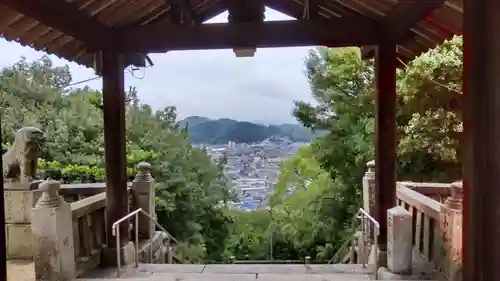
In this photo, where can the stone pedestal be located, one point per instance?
(19, 198)
(53, 245)
(399, 240)
(143, 196)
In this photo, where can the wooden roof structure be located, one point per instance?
(75, 29)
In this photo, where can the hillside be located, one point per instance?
(205, 130)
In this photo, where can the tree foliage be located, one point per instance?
(190, 184)
(428, 112)
(319, 188)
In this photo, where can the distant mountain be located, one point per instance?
(193, 121)
(209, 131)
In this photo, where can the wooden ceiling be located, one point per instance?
(75, 29)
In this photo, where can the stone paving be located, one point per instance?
(238, 272)
(23, 271)
(18, 270)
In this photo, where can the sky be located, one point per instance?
(209, 83)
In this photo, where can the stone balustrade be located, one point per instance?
(89, 231)
(436, 223)
(82, 227)
(20, 199)
(437, 191)
(426, 217)
(78, 191)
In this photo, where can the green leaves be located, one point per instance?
(190, 187)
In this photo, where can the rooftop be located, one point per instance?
(74, 29)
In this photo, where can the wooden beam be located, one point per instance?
(289, 8)
(241, 11)
(181, 12)
(406, 14)
(340, 32)
(210, 11)
(313, 9)
(66, 18)
(398, 23)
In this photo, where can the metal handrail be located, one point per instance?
(364, 216)
(344, 245)
(116, 232)
(365, 219)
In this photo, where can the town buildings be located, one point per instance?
(253, 169)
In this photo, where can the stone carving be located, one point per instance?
(20, 161)
(50, 197)
(144, 174)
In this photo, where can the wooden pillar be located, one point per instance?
(114, 143)
(481, 231)
(385, 134)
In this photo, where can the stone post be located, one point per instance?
(369, 203)
(449, 259)
(19, 198)
(143, 196)
(399, 240)
(52, 228)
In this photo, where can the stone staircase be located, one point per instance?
(236, 272)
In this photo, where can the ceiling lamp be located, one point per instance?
(244, 52)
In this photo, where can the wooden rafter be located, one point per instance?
(65, 17)
(289, 8)
(406, 14)
(181, 12)
(340, 32)
(403, 17)
(212, 10)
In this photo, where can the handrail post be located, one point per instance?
(369, 203)
(362, 241)
(169, 255)
(118, 261)
(136, 227)
(377, 233)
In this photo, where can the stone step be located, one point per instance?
(255, 268)
(233, 271)
(244, 277)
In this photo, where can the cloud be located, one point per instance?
(212, 83)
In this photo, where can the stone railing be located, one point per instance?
(425, 220)
(89, 231)
(437, 228)
(434, 211)
(437, 191)
(77, 231)
(20, 199)
(78, 191)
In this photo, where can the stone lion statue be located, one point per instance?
(20, 160)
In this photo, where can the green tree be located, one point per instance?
(191, 188)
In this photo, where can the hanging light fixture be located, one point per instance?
(244, 52)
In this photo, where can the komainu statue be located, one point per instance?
(21, 159)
